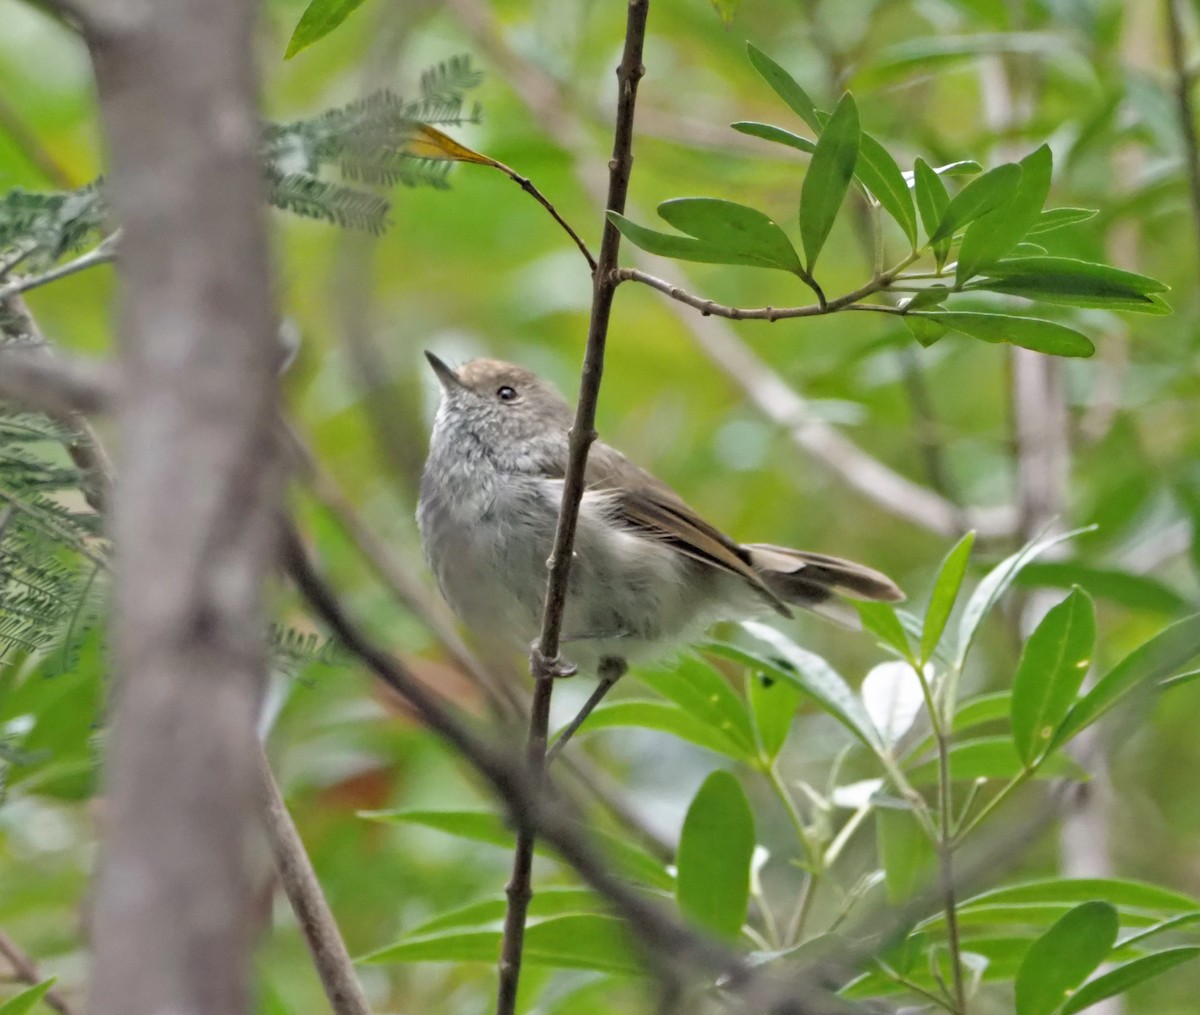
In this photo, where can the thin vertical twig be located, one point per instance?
(1184, 78)
(545, 662)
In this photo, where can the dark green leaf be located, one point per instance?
(932, 202)
(777, 134)
(929, 297)
(700, 690)
(665, 717)
(1027, 332)
(1161, 656)
(785, 86)
(881, 620)
(1162, 927)
(1062, 958)
(773, 705)
(905, 853)
(25, 1001)
(320, 18)
(828, 178)
(1130, 974)
(945, 594)
(1074, 283)
(882, 177)
(1136, 591)
(1053, 664)
(994, 758)
(924, 330)
(983, 709)
(578, 941)
(993, 235)
(1056, 218)
(713, 861)
(977, 198)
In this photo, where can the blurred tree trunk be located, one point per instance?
(195, 506)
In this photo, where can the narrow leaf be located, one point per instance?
(1118, 891)
(994, 758)
(881, 175)
(1130, 974)
(546, 901)
(25, 1001)
(945, 595)
(773, 705)
(905, 853)
(713, 861)
(1053, 664)
(828, 178)
(744, 231)
(1026, 332)
(1135, 591)
(977, 198)
(665, 717)
(1056, 218)
(700, 690)
(932, 202)
(785, 86)
(777, 134)
(1068, 281)
(1062, 958)
(319, 19)
(881, 620)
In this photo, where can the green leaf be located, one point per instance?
(1053, 664)
(1075, 283)
(319, 19)
(713, 861)
(720, 232)
(881, 175)
(905, 853)
(881, 620)
(1130, 974)
(777, 134)
(812, 674)
(993, 235)
(483, 826)
(977, 198)
(1118, 891)
(995, 583)
(726, 9)
(700, 690)
(545, 902)
(1135, 591)
(1062, 958)
(785, 86)
(665, 717)
(1027, 332)
(978, 711)
(1056, 218)
(1162, 927)
(994, 758)
(932, 201)
(828, 178)
(23, 1002)
(773, 705)
(578, 941)
(925, 331)
(1161, 656)
(945, 595)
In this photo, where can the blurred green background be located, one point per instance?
(481, 270)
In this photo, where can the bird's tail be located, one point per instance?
(810, 580)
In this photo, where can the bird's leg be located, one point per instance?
(611, 669)
(548, 669)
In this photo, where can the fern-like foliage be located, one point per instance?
(41, 227)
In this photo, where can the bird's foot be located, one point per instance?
(549, 669)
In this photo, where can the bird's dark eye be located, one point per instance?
(505, 393)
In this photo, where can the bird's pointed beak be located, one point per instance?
(447, 377)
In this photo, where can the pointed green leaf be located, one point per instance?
(995, 583)
(1053, 664)
(777, 134)
(1136, 591)
(925, 331)
(773, 704)
(1026, 332)
(905, 853)
(744, 231)
(1056, 218)
(1062, 958)
(546, 901)
(945, 594)
(828, 178)
(713, 861)
(320, 18)
(932, 201)
(881, 620)
(785, 86)
(25, 1001)
(1161, 656)
(700, 690)
(665, 717)
(1129, 974)
(994, 758)
(1119, 891)
(1074, 283)
(993, 235)
(977, 198)
(881, 175)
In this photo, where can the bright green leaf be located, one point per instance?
(777, 134)
(665, 717)
(545, 902)
(925, 330)
(726, 9)
(881, 620)
(932, 201)
(1161, 656)
(713, 861)
(994, 758)
(1130, 974)
(1056, 218)
(744, 231)
(1027, 332)
(1136, 591)
(1053, 663)
(1075, 283)
(700, 690)
(320, 18)
(828, 178)
(785, 86)
(1062, 958)
(991, 236)
(945, 594)
(882, 177)
(1118, 891)
(977, 198)
(25, 1001)
(773, 705)
(905, 853)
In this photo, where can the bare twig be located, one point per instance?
(34, 377)
(102, 253)
(26, 971)
(299, 881)
(527, 185)
(1184, 80)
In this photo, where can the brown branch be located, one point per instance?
(194, 518)
(26, 971)
(527, 185)
(38, 379)
(299, 880)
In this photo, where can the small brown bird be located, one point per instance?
(648, 574)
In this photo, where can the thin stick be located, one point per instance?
(102, 253)
(527, 185)
(26, 971)
(611, 670)
(544, 659)
(303, 890)
(1184, 78)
